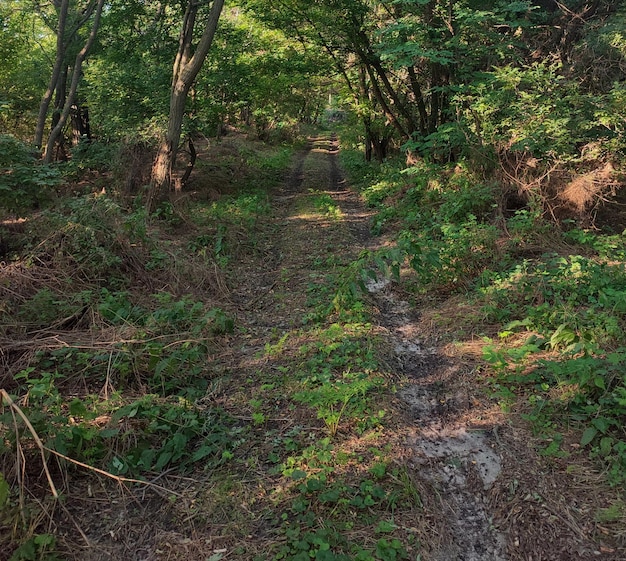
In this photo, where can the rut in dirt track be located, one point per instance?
(448, 455)
(459, 464)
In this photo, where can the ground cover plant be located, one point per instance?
(544, 296)
(206, 351)
(123, 327)
(130, 374)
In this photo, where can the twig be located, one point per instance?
(117, 478)
(262, 295)
(20, 461)
(40, 445)
(76, 525)
(43, 449)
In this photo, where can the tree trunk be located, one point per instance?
(184, 72)
(80, 124)
(383, 103)
(55, 133)
(419, 100)
(54, 78)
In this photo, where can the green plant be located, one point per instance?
(24, 182)
(39, 547)
(172, 433)
(574, 302)
(317, 523)
(47, 307)
(325, 204)
(334, 400)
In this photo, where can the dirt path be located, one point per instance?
(457, 462)
(441, 449)
(484, 493)
(355, 433)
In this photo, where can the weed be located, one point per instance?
(24, 182)
(142, 436)
(39, 547)
(325, 204)
(320, 518)
(574, 305)
(334, 400)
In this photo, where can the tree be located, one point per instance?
(66, 19)
(20, 67)
(186, 67)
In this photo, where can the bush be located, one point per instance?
(24, 182)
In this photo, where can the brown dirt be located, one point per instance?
(486, 492)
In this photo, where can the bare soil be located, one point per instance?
(486, 493)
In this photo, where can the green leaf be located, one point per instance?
(384, 526)
(4, 491)
(313, 485)
(77, 408)
(202, 452)
(298, 474)
(589, 434)
(109, 433)
(325, 555)
(602, 424)
(163, 460)
(330, 496)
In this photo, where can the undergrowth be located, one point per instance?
(341, 494)
(122, 317)
(554, 292)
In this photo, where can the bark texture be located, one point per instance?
(184, 72)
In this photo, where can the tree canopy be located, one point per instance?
(441, 80)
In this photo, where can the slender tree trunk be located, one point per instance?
(81, 130)
(56, 72)
(60, 92)
(364, 50)
(70, 100)
(383, 103)
(419, 100)
(184, 72)
(402, 109)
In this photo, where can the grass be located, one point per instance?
(153, 362)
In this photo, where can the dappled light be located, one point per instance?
(288, 281)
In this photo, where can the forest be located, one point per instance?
(312, 279)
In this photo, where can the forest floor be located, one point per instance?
(360, 421)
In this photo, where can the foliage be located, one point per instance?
(229, 225)
(574, 302)
(441, 220)
(143, 436)
(38, 548)
(574, 306)
(469, 91)
(306, 537)
(24, 184)
(85, 231)
(560, 316)
(23, 40)
(564, 118)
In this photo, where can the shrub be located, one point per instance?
(24, 182)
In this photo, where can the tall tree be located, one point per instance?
(187, 65)
(66, 19)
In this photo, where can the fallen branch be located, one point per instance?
(43, 449)
(6, 397)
